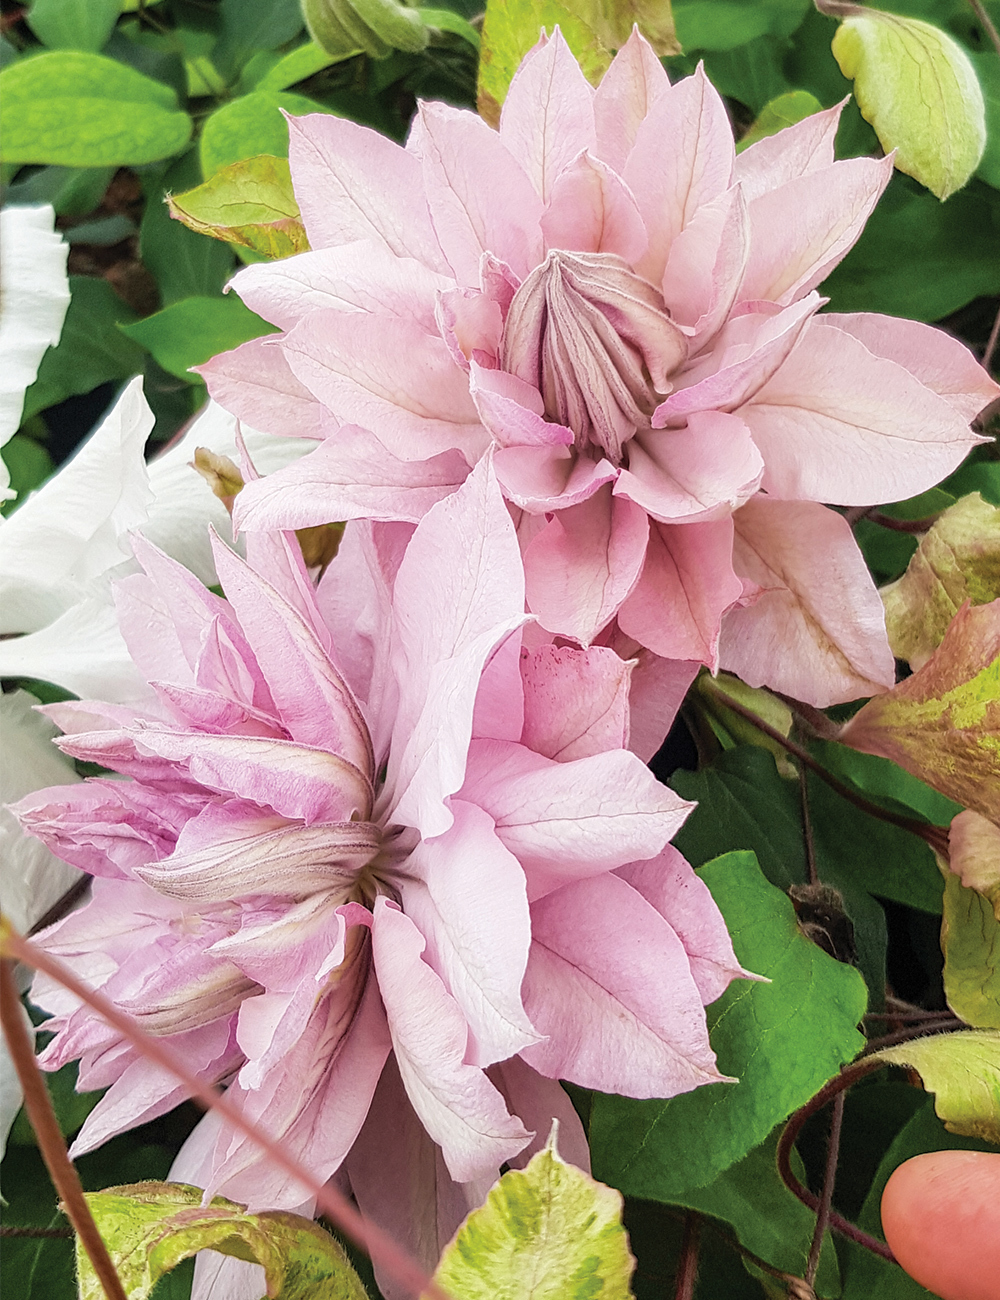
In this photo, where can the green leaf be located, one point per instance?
(974, 852)
(920, 258)
(547, 1232)
(249, 126)
(74, 24)
(766, 1217)
(29, 465)
(976, 476)
(185, 264)
(91, 351)
(963, 1072)
(83, 110)
(943, 723)
(970, 937)
(887, 783)
(714, 692)
(919, 90)
(444, 20)
(251, 25)
(248, 203)
(297, 65)
(957, 560)
(150, 1227)
(782, 1040)
(784, 111)
(195, 329)
(752, 73)
(72, 191)
(988, 71)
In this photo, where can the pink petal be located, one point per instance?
(837, 423)
(564, 821)
(385, 373)
(457, 1104)
(802, 229)
(540, 1102)
(591, 210)
(817, 632)
(513, 411)
(601, 1000)
(548, 115)
(363, 276)
(941, 363)
(477, 929)
(255, 383)
(671, 182)
(798, 150)
(470, 323)
(540, 479)
(350, 475)
(459, 593)
(706, 265)
(698, 473)
(352, 183)
(575, 701)
(746, 353)
(628, 91)
(499, 712)
(686, 586)
(670, 885)
(584, 563)
(658, 690)
(480, 198)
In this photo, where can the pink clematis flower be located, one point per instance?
(627, 312)
(405, 869)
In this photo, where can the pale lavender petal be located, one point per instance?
(255, 383)
(513, 411)
(576, 702)
(798, 150)
(628, 90)
(592, 210)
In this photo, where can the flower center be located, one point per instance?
(597, 342)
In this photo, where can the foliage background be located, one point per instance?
(147, 297)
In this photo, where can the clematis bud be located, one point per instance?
(220, 473)
(376, 27)
(598, 343)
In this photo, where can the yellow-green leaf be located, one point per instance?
(547, 1232)
(957, 560)
(248, 203)
(974, 846)
(784, 110)
(150, 1227)
(943, 723)
(963, 1072)
(970, 939)
(919, 90)
(715, 692)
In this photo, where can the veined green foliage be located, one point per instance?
(249, 203)
(963, 1072)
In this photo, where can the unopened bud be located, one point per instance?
(319, 543)
(374, 27)
(220, 473)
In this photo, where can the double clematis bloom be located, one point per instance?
(375, 855)
(627, 312)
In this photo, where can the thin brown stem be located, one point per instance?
(987, 22)
(9, 1230)
(687, 1269)
(809, 719)
(826, 1196)
(38, 1104)
(914, 526)
(917, 1013)
(62, 906)
(945, 1022)
(994, 338)
(935, 836)
(329, 1199)
(807, 830)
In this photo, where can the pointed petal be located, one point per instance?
(670, 885)
(539, 1102)
(671, 184)
(817, 632)
(686, 586)
(802, 229)
(575, 701)
(941, 363)
(548, 115)
(592, 210)
(352, 183)
(583, 564)
(698, 473)
(601, 1002)
(72, 529)
(480, 198)
(471, 324)
(564, 821)
(256, 384)
(798, 150)
(385, 373)
(477, 929)
(360, 277)
(658, 690)
(627, 93)
(513, 412)
(706, 265)
(837, 423)
(457, 1104)
(459, 592)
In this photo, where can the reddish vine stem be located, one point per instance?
(329, 1199)
(687, 1269)
(807, 830)
(50, 1140)
(915, 526)
(826, 1196)
(935, 836)
(980, 12)
(793, 1128)
(940, 1025)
